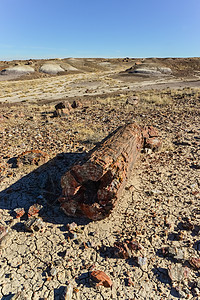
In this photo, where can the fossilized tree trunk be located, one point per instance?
(91, 187)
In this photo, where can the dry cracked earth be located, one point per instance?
(159, 209)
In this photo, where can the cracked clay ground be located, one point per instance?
(160, 199)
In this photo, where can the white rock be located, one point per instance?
(67, 295)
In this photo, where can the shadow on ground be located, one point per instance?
(43, 186)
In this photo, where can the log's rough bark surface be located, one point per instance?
(91, 187)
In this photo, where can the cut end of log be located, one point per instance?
(87, 190)
(91, 188)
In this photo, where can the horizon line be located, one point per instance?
(98, 57)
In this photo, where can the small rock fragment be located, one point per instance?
(196, 292)
(180, 254)
(186, 225)
(155, 192)
(132, 100)
(142, 261)
(101, 278)
(53, 271)
(147, 150)
(124, 249)
(120, 250)
(67, 294)
(174, 252)
(153, 143)
(195, 263)
(176, 272)
(3, 231)
(181, 235)
(34, 209)
(130, 281)
(74, 104)
(72, 226)
(134, 245)
(60, 105)
(151, 139)
(19, 212)
(34, 224)
(62, 109)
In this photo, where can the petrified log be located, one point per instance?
(91, 187)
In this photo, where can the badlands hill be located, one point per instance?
(34, 68)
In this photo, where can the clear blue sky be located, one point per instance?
(99, 28)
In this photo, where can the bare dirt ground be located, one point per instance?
(160, 204)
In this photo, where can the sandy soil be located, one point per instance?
(159, 207)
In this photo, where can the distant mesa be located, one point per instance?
(148, 69)
(51, 69)
(17, 70)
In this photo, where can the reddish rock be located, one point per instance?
(138, 63)
(130, 281)
(101, 278)
(34, 210)
(151, 138)
(62, 109)
(19, 212)
(195, 263)
(149, 132)
(134, 245)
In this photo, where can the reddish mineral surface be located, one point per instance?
(101, 278)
